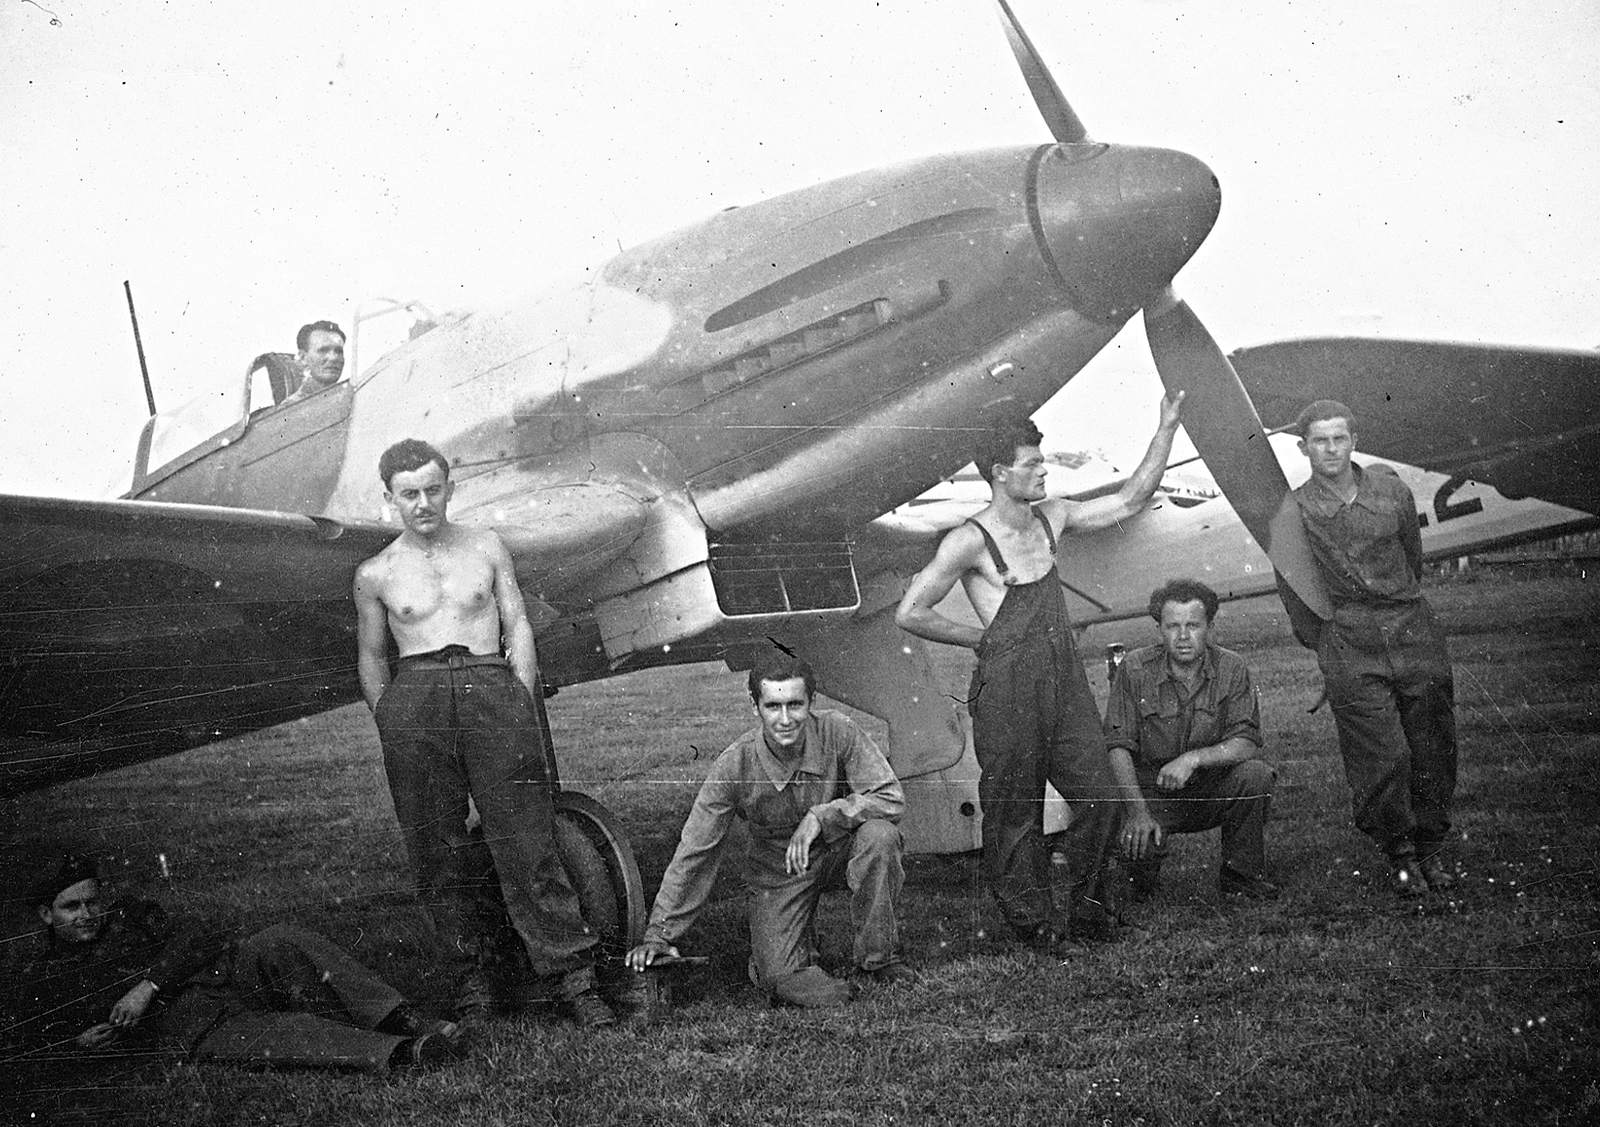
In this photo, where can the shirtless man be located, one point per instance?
(1033, 715)
(457, 721)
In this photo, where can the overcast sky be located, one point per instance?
(1388, 168)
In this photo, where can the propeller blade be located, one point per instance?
(1064, 124)
(1223, 424)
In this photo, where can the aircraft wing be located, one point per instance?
(130, 629)
(1108, 575)
(274, 555)
(1524, 420)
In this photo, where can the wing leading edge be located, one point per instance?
(132, 629)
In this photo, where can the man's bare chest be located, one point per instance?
(1015, 557)
(454, 583)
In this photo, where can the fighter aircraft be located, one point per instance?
(690, 451)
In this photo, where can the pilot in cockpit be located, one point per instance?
(320, 356)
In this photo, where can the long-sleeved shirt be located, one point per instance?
(840, 776)
(1369, 553)
(1369, 549)
(1156, 718)
(72, 986)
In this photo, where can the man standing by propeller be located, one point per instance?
(1382, 655)
(458, 721)
(1034, 717)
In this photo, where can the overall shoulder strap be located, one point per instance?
(1049, 534)
(994, 549)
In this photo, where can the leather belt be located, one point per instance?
(439, 660)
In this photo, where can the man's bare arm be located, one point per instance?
(1102, 512)
(372, 635)
(514, 626)
(956, 556)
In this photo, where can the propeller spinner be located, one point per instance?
(1217, 411)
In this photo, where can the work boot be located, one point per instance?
(1103, 927)
(1235, 884)
(431, 1050)
(1050, 938)
(404, 1021)
(1407, 879)
(1144, 881)
(895, 973)
(811, 988)
(589, 1010)
(475, 1000)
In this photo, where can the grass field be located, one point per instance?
(1335, 1005)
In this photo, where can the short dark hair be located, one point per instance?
(1322, 410)
(74, 868)
(1183, 591)
(302, 339)
(780, 666)
(406, 455)
(998, 445)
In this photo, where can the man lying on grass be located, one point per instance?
(125, 977)
(821, 801)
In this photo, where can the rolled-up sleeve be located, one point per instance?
(1122, 713)
(1240, 706)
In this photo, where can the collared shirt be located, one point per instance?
(1370, 550)
(1155, 717)
(841, 777)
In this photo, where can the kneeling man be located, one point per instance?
(1183, 726)
(820, 799)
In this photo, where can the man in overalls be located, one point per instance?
(1033, 716)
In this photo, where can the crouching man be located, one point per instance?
(820, 800)
(1183, 726)
(108, 976)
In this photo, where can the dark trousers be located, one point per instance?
(1388, 679)
(783, 906)
(453, 734)
(1034, 719)
(288, 998)
(1237, 798)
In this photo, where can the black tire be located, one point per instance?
(608, 844)
(590, 880)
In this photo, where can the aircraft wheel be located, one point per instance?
(600, 863)
(587, 873)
